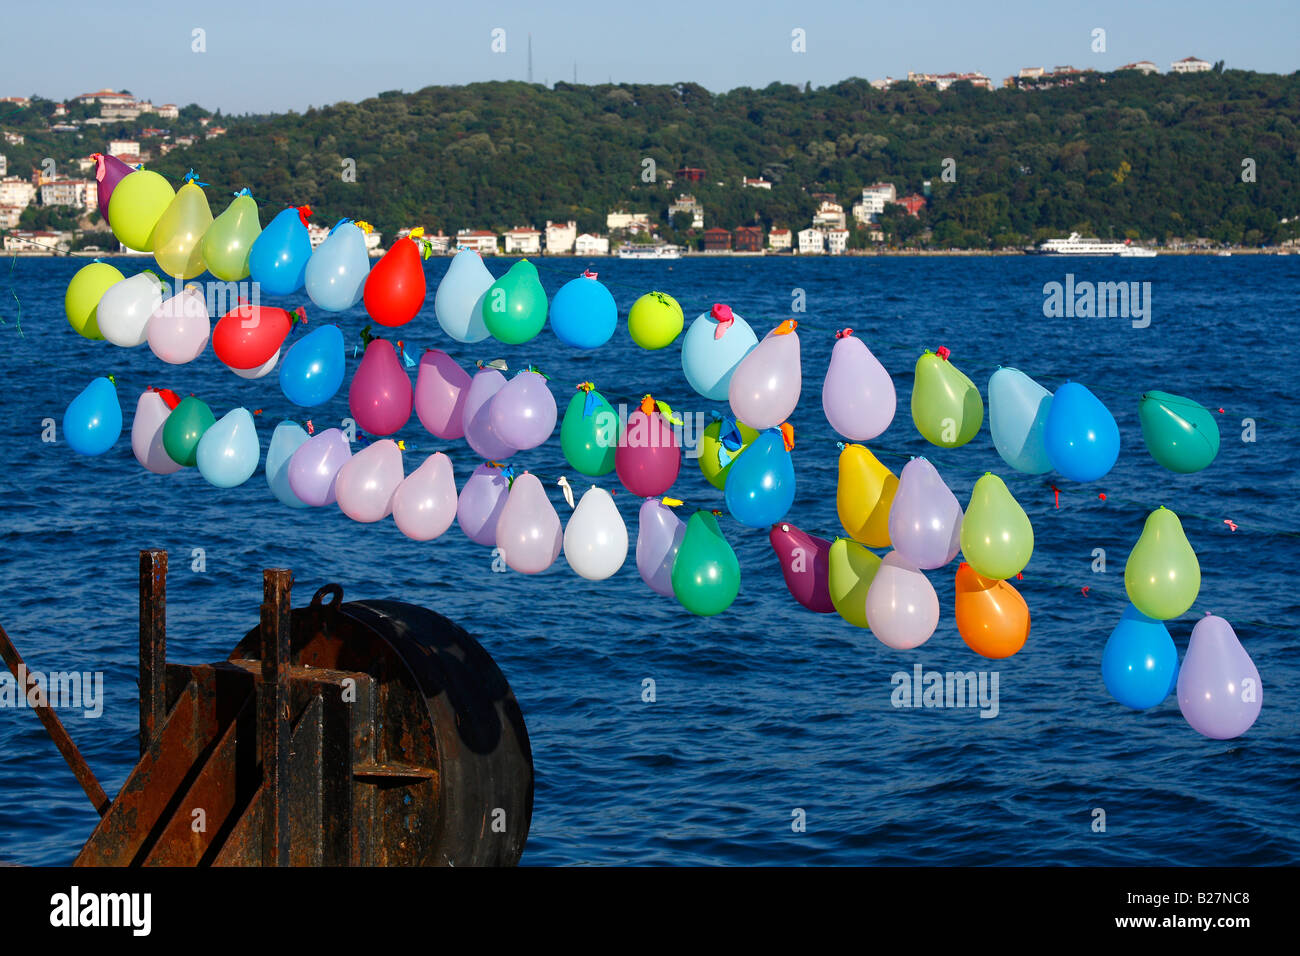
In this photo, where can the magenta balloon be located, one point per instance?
(1219, 690)
(109, 171)
(647, 458)
(523, 411)
(529, 533)
(765, 386)
(424, 504)
(380, 395)
(858, 396)
(925, 518)
(805, 562)
(441, 387)
(478, 416)
(365, 484)
(478, 508)
(316, 464)
(658, 538)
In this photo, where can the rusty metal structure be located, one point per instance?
(372, 733)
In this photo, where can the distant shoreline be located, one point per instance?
(784, 257)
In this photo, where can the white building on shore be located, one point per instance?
(39, 241)
(837, 240)
(812, 242)
(589, 244)
(480, 240)
(1189, 64)
(779, 239)
(523, 241)
(633, 222)
(873, 202)
(560, 237)
(829, 215)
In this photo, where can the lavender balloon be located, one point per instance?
(424, 504)
(151, 413)
(315, 465)
(441, 387)
(925, 518)
(858, 396)
(658, 538)
(365, 484)
(902, 606)
(479, 507)
(478, 416)
(765, 386)
(1219, 690)
(523, 411)
(529, 533)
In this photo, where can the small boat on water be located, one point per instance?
(1075, 245)
(660, 250)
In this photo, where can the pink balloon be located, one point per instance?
(478, 509)
(380, 396)
(424, 504)
(902, 606)
(647, 458)
(316, 464)
(765, 386)
(147, 433)
(366, 482)
(858, 396)
(805, 562)
(440, 390)
(529, 533)
(180, 327)
(478, 416)
(925, 518)
(523, 411)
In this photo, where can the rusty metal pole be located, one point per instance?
(277, 585)
(153, 644)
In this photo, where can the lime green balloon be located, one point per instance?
(996, 536)
(589, 436)
(514, 307)
(706, 574)
(178, 234)
(135, 207)
(710, 443)
(1162, 575)
(655, 321)
(85, 290)
(946, 405)
(228, 239)
(183, 429)
(1180, 434)
(850, 569)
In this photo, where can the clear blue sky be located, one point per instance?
(274, 56)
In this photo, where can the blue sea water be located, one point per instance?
(767, 709)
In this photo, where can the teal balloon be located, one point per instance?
(287, 438)
(336, 273)
(760, 482)
(1180, 434)
(229, 450)
(514, 306)
(1018, 408)
(92, 423)
(312, 371)
(583, 313)
(1081, 437)
(277, 260)
(1140, 663)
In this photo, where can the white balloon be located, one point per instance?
(595, 539)
(424, 504)
(147, 434)
(124, 310)
(902, 606)
(179, 328)
(367, 481)
(259, 372)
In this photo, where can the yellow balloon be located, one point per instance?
(864, 496)
(85, 290)
(135, 207)
(178, 235)
(849, 573)
(228, 239)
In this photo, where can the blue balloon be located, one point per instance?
(760, 483)
(1018, 409)
(312, 371)
(457, 303)
(287, 438)
(1140, 663)
(277, 260)
(708, 361)
(93, 421)
(583, 313)
(337, 270)
(229, 450)
(1081, 437)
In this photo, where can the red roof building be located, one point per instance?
(692, 174)
(716, 240)
(913, 203)
(749, 239)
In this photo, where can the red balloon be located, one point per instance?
(805, 562)
(647, 458)
(248, 336)
(395, 287)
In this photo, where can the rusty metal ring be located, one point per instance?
(317, 602)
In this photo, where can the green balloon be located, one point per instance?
(81, 301)
(514, 307)
(946, 405)
(710, 464)
(1162, 575)
(228, 240)
(655, 320)
(706, 574)
(996, 536)
(1180, 434)
(590, 439)
(183, 429)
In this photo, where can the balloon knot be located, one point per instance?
(671, 502)
(843, 333)
(585, 386)
(257, 411)
(301, 313)
(311, 429)
(304, 213)
(244, 192)
(722, 314)
(588, 274)
(942, 352)
(1084, 590)
(786, 327)
(787, 434)
(647, 405)
(364, 226)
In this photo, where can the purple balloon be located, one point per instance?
(925, 518)
(479, 506)
(316, 464)
(658, 538)
(441, 387)
(1219, 690)
(478, 416)
(109, 171)
(805, 562)
(523, 411)
(858, 396)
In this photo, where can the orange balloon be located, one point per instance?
(992, 617)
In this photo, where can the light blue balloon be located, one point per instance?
(277, 260)
(708, 361)
(1018, 409)
(287, 438)
(93, 421)
(458, 301)
(337, 270)
(1081, 437)
(312, 371)
(1140, 663)
(229, 450)
(583, 313)
(760, 482)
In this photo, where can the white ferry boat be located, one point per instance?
(657, 251)
(1077, 246)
